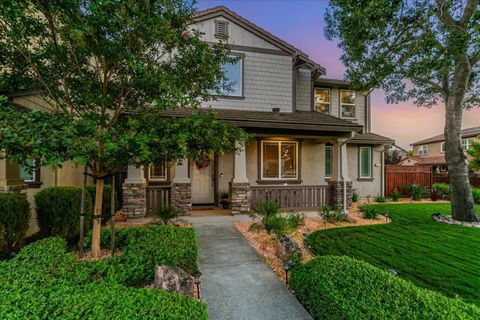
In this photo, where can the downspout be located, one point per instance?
(344, 182)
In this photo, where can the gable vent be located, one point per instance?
(221, 29)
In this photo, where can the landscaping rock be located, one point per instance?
(449, 220)
(173, 279)
(120, 217)
(288, 249)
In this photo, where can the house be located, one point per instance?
(431, 151)
(312, 140)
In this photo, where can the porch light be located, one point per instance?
(196, 280)
(386, 217)
(268, 227)
(286, 267)
(305, 238)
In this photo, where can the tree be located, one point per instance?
(474, 152)
(424, 50)
(106, 71)
(393, 157)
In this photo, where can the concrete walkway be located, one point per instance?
(236, 283)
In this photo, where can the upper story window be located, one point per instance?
(347, 104)
(279, 160)
(158, 173)
(442, 147)
(221, 29)
(232, 84)
(423, 150)
(322, 100)
(466, 144)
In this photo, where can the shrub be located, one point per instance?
(442, 187)
(58, 211)
(369, 211)
(344, 288)
(106, 203)
(417, 192)
(278, 224)
(381, 199)
(14, 213)
(476, 195)
(435, 194)
(395, 195)
(331, 215)
(168, 213)
(266, 211)
(296, 219)
(354, 196)
(52, 284)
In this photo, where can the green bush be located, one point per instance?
(333, 287)
(381, 199)
(296, 219)
(52, 284)
(369, 212)
(266, 211)
(354, 196)
(331, 215)
(416, 191)
(106, 203)
(14, 213)
(58, 211)
(168, 213)
(395, 195)
(442, 187)
(476, 195)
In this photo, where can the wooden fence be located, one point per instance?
(293, 197)
(474, 180)
(157, 197)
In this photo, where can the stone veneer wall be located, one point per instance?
(134, 200)
(19, 188)
(241, 197)
(181, 196)
(337, 193)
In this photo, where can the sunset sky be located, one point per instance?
(301, 24)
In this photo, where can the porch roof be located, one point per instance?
(306, 122)
(371, 138)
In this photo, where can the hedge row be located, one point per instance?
(14, 213)
(44, 281)
(332, 287)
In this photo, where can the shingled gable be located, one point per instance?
(228, 14)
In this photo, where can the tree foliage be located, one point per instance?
(474, 152)
(393, 157)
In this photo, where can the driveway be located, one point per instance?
(236, 283)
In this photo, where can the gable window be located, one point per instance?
(365, 162)
(442, 147)
(221, 29)
(279, 160)
(423, 150)
(466, 144)
(322, 100)
(232, 82)
(347, 104)
(30, 173)
(328, 161)
(157, 173)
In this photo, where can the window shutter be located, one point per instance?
(221, 29)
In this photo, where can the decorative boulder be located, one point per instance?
(288, 249)
(174, 279)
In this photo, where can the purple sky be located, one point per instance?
(300, 23)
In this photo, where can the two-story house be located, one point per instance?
(312, 141)
(431, 151)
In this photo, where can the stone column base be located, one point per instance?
(181, 196)
(241, 197)
(337, 193)
(17, 188)
(134, 200)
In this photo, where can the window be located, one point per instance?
(328, 161)
(466, 144)
(347, 99)
(157, 173)
(322, 100)
(26, 172)
(365, 162)
(423, 150)
(232, 82)
(221, 29)
(279, 160)
(442, 147)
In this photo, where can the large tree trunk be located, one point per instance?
(97, 218)
(463, 207)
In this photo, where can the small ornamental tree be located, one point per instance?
(393, 157)
(106, 70)
(425, 50)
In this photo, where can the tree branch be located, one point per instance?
(444, 14)
(474, 60)
(468, 12)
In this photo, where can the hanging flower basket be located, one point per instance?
(202, 164)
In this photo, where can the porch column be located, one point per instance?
(341, 180)
(181, 193)
(240, 192)
(134, 193)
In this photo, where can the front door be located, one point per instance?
(203, 184)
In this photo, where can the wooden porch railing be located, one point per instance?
(157, 197)
(293, 197)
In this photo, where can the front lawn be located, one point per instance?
(437, 256)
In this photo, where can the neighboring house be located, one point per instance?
(312, 135)
(431, 151)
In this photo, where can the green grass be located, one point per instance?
(436, 256)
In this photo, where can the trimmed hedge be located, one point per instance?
(332, 287)
(44, 281)
(14, 213)
(476, 195)
(58, 212)
(106, 203)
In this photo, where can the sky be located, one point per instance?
(301, 23)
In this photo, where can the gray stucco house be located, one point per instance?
(312, 135)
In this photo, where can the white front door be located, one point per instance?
(203, 184)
